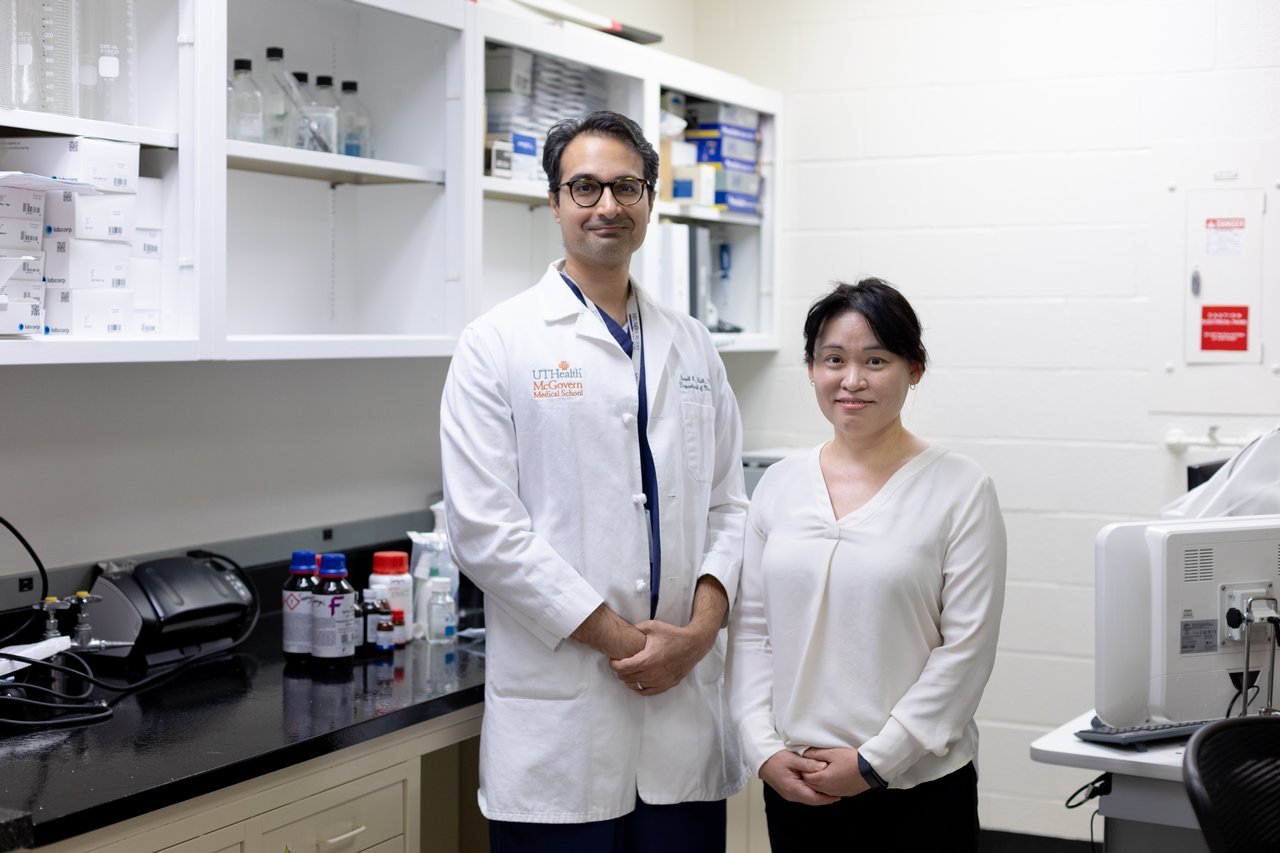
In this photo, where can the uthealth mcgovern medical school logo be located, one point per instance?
(553, 383)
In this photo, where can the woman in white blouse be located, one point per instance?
(869, 606)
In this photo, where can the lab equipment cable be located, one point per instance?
(1099, 787)
(100, 710)
(44, 578)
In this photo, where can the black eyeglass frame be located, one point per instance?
(645, 188)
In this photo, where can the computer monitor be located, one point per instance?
(1164, 651)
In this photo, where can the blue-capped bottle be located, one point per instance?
(296, 605)
(333, 614)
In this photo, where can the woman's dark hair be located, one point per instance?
(600, 123)
(892, 319)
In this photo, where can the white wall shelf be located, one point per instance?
(317, 165)
(48, 350)
(278, 253)
(73, 126)
(508, 189)
(701, 213)
(303, 347)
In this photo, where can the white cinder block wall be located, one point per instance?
(994, 159)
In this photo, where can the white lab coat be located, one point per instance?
(545, 512)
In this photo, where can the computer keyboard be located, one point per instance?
(1138, 736)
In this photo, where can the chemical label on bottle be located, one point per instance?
(295, 607)
(333, 626)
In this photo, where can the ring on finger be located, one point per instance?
(639, 686)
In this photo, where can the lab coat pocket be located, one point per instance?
(536, 672)
(699, 440)
(711, 667)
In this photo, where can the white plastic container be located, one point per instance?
(391, 576)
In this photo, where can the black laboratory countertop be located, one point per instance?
(218, 723)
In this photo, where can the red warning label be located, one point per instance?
(1224, 327)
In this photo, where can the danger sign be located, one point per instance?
(1224, 327)
(1224, 235)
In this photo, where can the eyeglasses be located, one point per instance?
(587, 191)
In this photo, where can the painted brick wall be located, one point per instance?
(994, 159)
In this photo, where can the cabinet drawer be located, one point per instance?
(358, 816)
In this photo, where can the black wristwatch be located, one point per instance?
(869, 773)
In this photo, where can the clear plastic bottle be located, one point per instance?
(296, 605)
(333, 614)
(246, 104)
(442, 612)
(355, 129)
(317, 120)
(279, 100)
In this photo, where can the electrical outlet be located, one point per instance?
(26, 583)
(327, 534)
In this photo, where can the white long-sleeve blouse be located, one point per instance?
(877, 630)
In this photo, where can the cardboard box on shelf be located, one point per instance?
(109, 216)
(21, 204)
(146, 280)
(150, 212)
(21, 317)
(108, 165)
(147, 243)
(695, 184)
(32, 266)
(94, 312)
(19, 234)
(702, 113)
(508, 69)
(74, 263)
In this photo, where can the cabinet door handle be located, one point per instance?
(340, 839)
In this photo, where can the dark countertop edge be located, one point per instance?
(18, 829)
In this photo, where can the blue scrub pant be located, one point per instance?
(679, 828)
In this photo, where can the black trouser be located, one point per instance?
(941, 815)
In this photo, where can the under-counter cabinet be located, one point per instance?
(379, 796)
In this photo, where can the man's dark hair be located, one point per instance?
(892, 319)
(600, 123)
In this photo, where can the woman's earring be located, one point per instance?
(912, 387)
(815, 384)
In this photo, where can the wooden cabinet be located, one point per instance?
(364, 798)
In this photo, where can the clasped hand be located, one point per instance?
(669, 654)
(819, 777)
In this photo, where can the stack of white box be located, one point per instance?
(526, 94)
(22, 293)
(146, 272)
(86, 237)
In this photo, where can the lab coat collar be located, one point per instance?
(559, 303)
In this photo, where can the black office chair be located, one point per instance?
(1232, 773)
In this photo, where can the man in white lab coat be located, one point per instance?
(593, 485)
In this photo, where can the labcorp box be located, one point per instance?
(106, 164)
(20, 234)
(32, 266)
(109, 216)
(21, 317)
(94, 312)
(74, 263)
(21, 204)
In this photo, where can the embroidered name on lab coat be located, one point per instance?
(690, 382)
(551, 383)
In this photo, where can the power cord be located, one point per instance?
(44, 579)
(1099, 787)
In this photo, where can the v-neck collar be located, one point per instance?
(819, 484)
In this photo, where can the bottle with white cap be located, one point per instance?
(442, 612)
